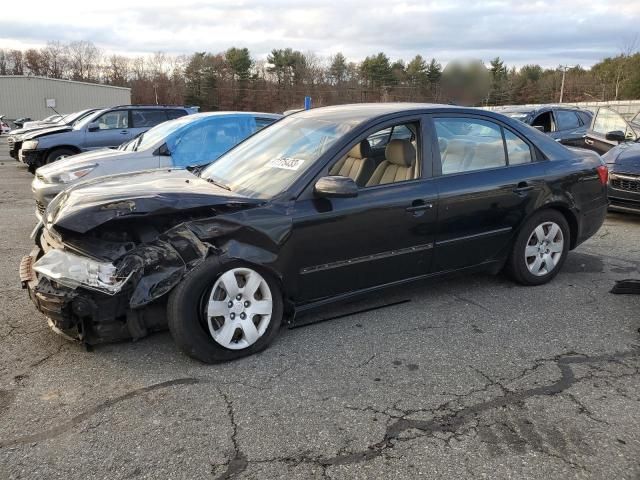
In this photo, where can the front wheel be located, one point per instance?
(540, 248)
(224, 310)
(59, 154)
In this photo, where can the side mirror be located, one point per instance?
(616, 136)
(336, 187)
(540, 128)
(162, 151)
(93, 126)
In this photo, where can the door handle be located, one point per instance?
(123, 132)
(523, 187)
(419, 206)
(588, 141)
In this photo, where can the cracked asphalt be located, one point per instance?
(470, 377)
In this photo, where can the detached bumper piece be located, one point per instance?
(86, 316)
(626, 286)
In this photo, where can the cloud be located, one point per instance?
(545, 32)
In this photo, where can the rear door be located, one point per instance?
(604, 122)
(489, 178)
(144, 119)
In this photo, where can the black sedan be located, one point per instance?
(307, 212)
(564, 124)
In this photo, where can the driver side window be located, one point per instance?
(389, 155)
(113, 120)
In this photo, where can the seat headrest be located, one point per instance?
(400, 152)
(360, 150)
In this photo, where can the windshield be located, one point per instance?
(160, 132)
(271, 160)
(74, 118)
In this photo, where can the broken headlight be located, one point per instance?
(73, 270)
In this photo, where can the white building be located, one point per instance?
(36, 97)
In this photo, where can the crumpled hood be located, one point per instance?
(624, 158)
(41, 132)
(92, 203)
(82, 160)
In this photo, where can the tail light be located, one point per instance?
(603, 173)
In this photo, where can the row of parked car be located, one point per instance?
(602, 130)
(223, 226)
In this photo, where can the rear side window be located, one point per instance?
(518, 150)
(470, 144)
(475, 144)
(148, 118)
(176, 113)
(566, 119)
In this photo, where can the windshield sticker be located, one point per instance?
(288, 163)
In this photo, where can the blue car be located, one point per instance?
(188, 141)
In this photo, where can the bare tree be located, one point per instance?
(56, 59)
(84, 60)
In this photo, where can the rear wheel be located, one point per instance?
(222, 311)
(59, 154)
(540, 248)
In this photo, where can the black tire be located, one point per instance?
(517, 263)
(57, 153)
(185, 313)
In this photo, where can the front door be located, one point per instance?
(383, 235)
(489, 181)
(111, 129)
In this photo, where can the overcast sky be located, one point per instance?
(546, 32)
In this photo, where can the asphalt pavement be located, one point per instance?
(469, 377)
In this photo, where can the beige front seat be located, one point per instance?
(398, 166)
(356, 164)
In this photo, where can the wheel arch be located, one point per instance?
(59, 147)
(569, 215)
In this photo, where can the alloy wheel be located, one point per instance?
(544, 248)
(239, 308)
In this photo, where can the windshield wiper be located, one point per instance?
(218, 184)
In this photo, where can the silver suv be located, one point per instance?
(105, 128)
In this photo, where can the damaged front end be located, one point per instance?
(96, 301)
(109, 251)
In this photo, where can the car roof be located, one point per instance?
(275, 116)
(537, 108)
(360, 112)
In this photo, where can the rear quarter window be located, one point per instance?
(148, 118)
(176, 113)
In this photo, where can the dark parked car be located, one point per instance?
(305, 213)
(564, 124)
